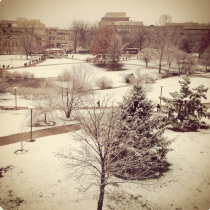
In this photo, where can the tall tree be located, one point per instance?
(73, 84)
(140, 37)
(114, 50)
(205, 60)
(122, 143)
(93, 163)
(75, 28)
(29, 40)
(163, 40)
(101, 42)
(204, 43)
(184, 44)
(145, 133)
(147, 56)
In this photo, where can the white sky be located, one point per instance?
(61, 13)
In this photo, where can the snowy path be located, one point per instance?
(38, 134)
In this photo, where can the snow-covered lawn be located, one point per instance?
(15, 60)
(38, 179)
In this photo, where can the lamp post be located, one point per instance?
(15, 97)
(161, 93)
(31, 139)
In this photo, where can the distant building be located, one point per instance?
(11, 32)
(54, 53)
(120, 22)
(111, 17)
(60, 38)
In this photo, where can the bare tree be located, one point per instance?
(73, 84)
(170, 55)
(45, 103)
(140, 37)
(147, 55)
(29, 40)
(184, 62)
(115, 49)
(95, 157)
(164, 19)
(75, 29)
(83, 33)
(206, 58)
(106, 151)
(165, 38)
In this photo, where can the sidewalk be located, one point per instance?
(37, 134)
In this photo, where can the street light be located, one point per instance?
(15, 97)
(161, 94)
(11, 63)
(31, 140)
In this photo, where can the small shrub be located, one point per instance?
(146, 78)
(27, 75)
(8, 75)
(129, 79)
(3, 86)
(104, 83)
(17, 75)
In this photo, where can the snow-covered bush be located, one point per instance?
(17, 75)
(104, 83)
(185, 109)
(27, 75)
(3, 86)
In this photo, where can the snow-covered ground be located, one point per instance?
(38, 178)
(15, 60)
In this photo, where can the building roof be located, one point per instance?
(54, 49)
(115, 14)
(128, 23)
(190, 25)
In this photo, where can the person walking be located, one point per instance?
(98, 104)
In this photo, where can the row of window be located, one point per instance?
(125, 29)
(61, 33)
(8, 44)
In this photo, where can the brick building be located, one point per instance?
(59, 38)
(11, 33)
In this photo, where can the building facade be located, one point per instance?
(120, 22)
(59, 38)
(14, 33)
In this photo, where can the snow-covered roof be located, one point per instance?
(128, 23)
(54, 49)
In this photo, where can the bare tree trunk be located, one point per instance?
(102, 189)
(45, 117)
(160, 67)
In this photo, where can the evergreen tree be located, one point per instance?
(145, 133)
(185, 109)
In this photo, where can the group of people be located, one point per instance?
(34, 61)
(5, 66)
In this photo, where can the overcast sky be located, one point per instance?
(61, 13)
